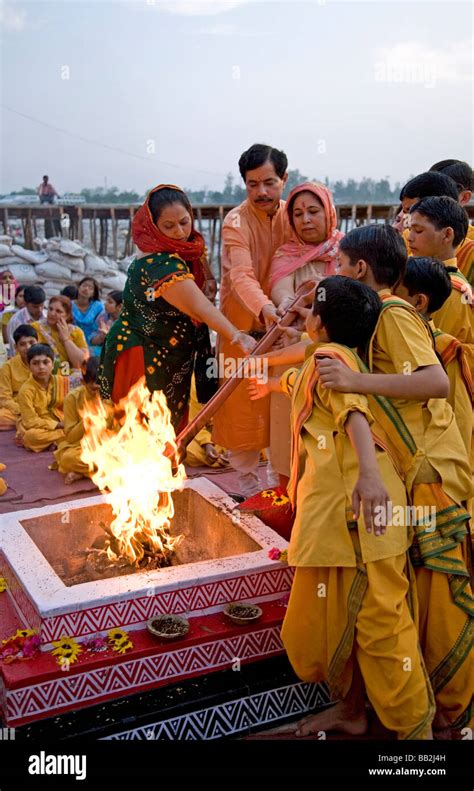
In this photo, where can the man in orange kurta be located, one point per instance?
(251, 234)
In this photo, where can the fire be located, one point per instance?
(133, 468)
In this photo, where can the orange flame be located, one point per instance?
(132, 466)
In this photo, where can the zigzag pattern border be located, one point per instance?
(135, 612)
(231, 717)
(17, 593)
(113, 681)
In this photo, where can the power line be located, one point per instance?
(108, 147)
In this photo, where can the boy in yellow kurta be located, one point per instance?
(461, 173)
(424, 185)
(437, 226)
(68, 454)
(13, 375)
(426, 285)
(349, 604)
(41, 401)
(433, 457)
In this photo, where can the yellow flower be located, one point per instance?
(280, 500)
(119, 347)
(117, 634)
(151, 369)
(284, 556)
(66, 650)
(173, 341)
(19, 633)
(122, 645)
(268, 493)
(120, 640)
(3, 584)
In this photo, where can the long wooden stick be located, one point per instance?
(194, 427)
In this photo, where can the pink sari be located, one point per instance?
(295, 254)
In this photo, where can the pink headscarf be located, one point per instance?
(294, 254)
(7, 295)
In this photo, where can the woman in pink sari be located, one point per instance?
(310, 255)
(311, 252)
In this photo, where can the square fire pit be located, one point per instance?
(223, 557)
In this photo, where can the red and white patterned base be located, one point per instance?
(38, 688)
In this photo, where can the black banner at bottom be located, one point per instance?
(126, 761)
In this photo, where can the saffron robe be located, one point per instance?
(41, 409)
(13, 376)
(250, 239)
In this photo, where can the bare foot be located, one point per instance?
(70, 477)
(336, 718)
(3, 466)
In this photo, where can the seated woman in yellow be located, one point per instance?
(14, 374)
(67, 341)
(68, 454)
(348, 619)
(41, 401)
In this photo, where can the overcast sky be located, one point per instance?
(139, 92)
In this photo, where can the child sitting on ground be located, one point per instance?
(113, 307)
(41, 400)
(68, 454)
(14, 374)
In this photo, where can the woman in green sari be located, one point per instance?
(162, 331)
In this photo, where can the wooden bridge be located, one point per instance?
(107, 228)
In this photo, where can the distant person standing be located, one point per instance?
(47, 194)
(46, 191)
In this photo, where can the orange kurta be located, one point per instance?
(250, 238)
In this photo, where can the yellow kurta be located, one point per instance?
(12, 376)
(327, 473)
(459, 397)
(68, 454)
(465, 256)
(41, 409)
(44, 330)
(250, 238)
(401, 344)
(350, 592)
(456, 316)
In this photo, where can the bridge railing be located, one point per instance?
(106, 229)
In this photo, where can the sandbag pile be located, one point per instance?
(56, 263)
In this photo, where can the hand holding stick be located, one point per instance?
(303, 297)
